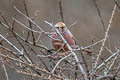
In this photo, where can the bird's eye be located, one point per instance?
(58, 27)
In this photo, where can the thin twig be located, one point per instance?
(30, 24)
(85, 63)
(31, 65)
(16, 34)
(19, 51)
(31, 74)
(46, 33)
(4, 19)
(73, 53)
(117, 4)
(59, 63)
(30, 20)
(28, 59)
(117, 70)
(105, 37)
(53, 53)
(107, 60)
(26, 26)
(99, 14)
(104, 77)
(61, 11)
(5, 71)
(82, 48)
(113, 62)
(6, 74)
(10, 51)
(39, 58)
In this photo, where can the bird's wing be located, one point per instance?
(68, 31)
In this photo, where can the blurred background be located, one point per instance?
(88, 25)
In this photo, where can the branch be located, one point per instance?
(30, 65)
(30, 24)
(82, 48)
(61, 11)
(29, 20)
(112, 64)
(72, 52)
(110, 77)
(107, 60)
(117, 4)
(4, 67)
(19, 51)
(99, 14)
(59, 63)
(16, 34)
(105, 37)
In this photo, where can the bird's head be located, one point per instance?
(60, 25)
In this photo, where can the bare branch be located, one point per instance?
(19, 51)
(16, 34)
(105, 37)
(59, 63)
(117, 4)
(73, 53)
(31, 65)
(99, 14)
(61, 10)
(4, 67)
(107, 60)
(113, 62)
(30, 20)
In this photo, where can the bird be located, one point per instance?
(56, 40)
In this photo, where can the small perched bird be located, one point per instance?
(56, 40)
